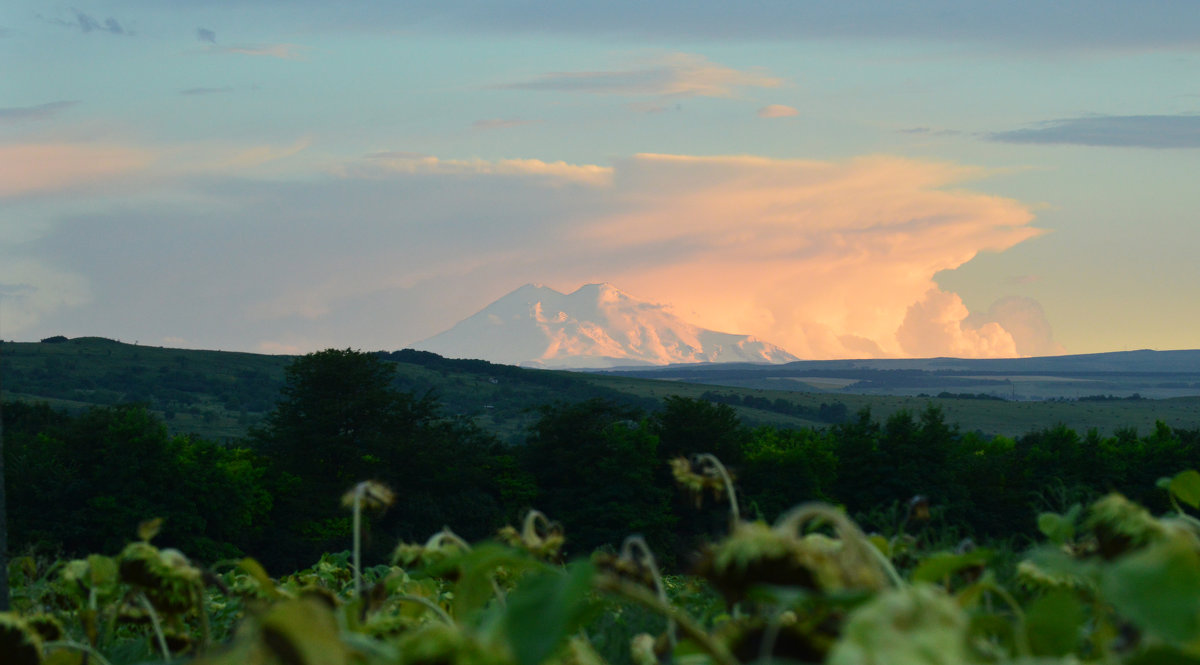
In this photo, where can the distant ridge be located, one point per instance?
(596, 326)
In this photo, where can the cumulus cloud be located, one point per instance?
(939, 325)
(827, 259)
(814, 256)
(673, 75)
(777, 111)
(39, 112)
(1123, 131)
(1025, 320)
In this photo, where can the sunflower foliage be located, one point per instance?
(1110, 583)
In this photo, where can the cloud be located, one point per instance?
(671, 75)
(206, 35)
(39, 112)
(32, 290)
(929, 131)
(828, 259)
(1126, 131)
(939, 325)
(501, 123)
(1023, 319)
(777, 111)
(1021, 26)
(53, 169)
(389, 164)
(88, 23)
(33, 168)
(280, 51)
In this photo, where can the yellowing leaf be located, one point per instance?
(1186, 487)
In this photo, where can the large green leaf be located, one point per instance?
(938, 566)
(1159, 590)
(476, 569)
(546, 609)
(303, 632)
(1052, 623)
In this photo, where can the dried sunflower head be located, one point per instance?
(440, 547)
(372, 494)
(917, 625)
(698, 475)
(171, 583)
(1121, 525)
(538, 536)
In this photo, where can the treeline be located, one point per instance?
(81, 483)
(836, 412)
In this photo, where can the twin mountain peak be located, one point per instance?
(594, 327)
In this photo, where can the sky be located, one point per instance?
(854, 179)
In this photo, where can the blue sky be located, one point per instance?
(842, 179)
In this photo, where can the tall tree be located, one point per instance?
(342, 421)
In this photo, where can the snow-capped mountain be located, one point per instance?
(596, 326)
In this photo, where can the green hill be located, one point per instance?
(220, 394)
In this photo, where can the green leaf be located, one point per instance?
(102, 572)
(546, 609)
(1159, 590)
(1052, 623)
(1186, 487)
(1162, 655)
(303, 632)
(938, 566)
(476, 569)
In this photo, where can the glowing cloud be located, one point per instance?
(389, 164)
(673, 75)
(35, 168)
(280, 51)
(824, 259)
(777, 111)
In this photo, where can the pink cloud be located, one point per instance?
(280, 51)
(672, 75)
(824, 258)
(33, 168)
(777, 111)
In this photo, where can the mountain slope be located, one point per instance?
(596, 326)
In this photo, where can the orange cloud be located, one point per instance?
(391, 164)
(670, 75)
(823, 258)
(777, 111)
(35, 168)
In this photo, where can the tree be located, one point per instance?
(685, 426)
(594, 463)
(341, 421)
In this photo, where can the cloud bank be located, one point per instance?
(39, 112)
(827, 259)
(1122, 131)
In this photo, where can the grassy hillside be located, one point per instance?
(221, 394)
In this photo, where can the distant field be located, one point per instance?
(221, 395)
